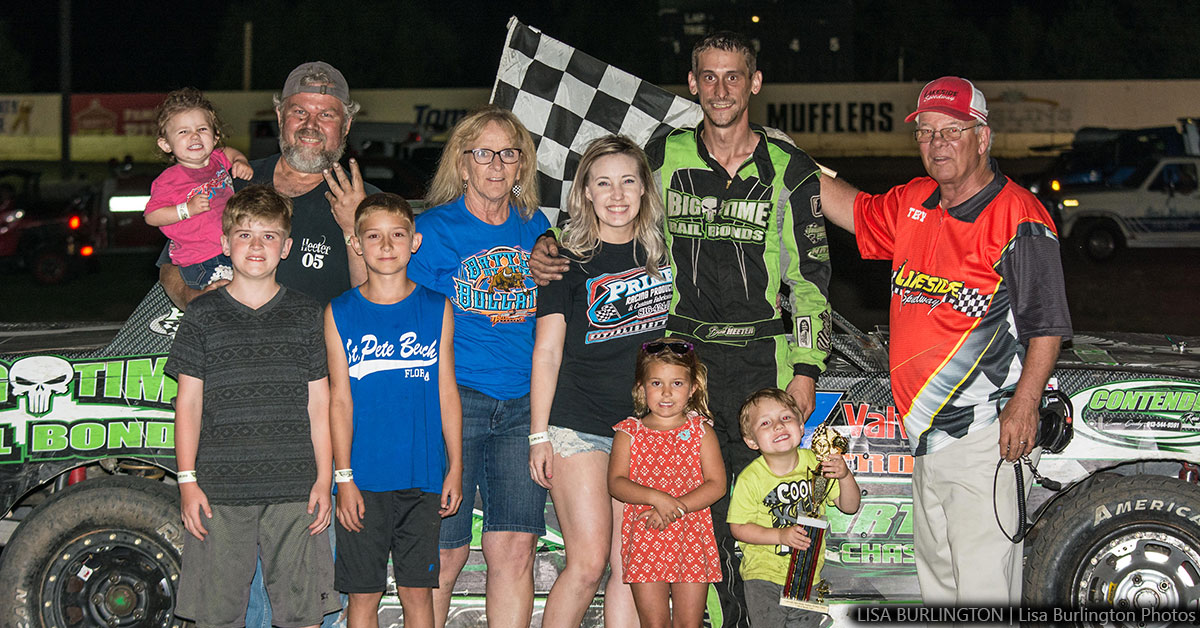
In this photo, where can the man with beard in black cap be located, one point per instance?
(315, 112)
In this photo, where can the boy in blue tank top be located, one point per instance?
(395, 420)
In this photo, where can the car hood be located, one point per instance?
(1140, 352)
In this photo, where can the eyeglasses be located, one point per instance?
(950, 133)
(658, 346)
(484, 156)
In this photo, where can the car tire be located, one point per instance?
(50, 266)
(1127, 542)
(104, 552)
(1100, 240)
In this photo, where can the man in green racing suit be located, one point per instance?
(749, 256)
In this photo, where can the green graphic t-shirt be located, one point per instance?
(773, 501)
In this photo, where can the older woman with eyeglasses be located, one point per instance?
(475, 250)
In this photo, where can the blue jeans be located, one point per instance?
(258, 611)
(200, 274)
(496, 460)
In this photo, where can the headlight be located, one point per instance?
(1055, 185)
(1070, 202)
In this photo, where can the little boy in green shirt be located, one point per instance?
(769, 497)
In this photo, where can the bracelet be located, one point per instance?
(540, 437)
(184, 477)
(182, 210)
(343, 475)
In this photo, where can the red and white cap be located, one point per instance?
(953, 96)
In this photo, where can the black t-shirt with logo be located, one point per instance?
(611, 306)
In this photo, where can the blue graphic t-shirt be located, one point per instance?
(484, 270)
(393, 353)
(611, 306)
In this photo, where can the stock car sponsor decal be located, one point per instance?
(1141, 414)
(880, 463)
(627, 303)
(825, 403)
(496, 283)
(167, 324)
(52, 408)
(864, 421)
(875, 541)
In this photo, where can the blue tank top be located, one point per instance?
(393, 353)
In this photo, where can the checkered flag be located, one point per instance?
(971, 303)
(567, 99)
(607, 313)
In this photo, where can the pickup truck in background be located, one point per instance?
(1157, 205)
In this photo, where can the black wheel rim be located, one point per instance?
(113, 578)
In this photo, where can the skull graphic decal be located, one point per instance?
(39, 378)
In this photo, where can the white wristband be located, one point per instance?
(182, 210)
(342, 475)
(184, 477)
(540, 437)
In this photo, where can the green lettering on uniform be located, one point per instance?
(48, 437)
(113, 374)
(1186, 400)
(874, 519)
(1171, 399)
(6, 438)
(160, 434)
(1157, 399)
(124, 435)
(88, 373)
(1098, 399)
(87, 436)
(146, 381)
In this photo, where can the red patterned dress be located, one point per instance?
(670, 462)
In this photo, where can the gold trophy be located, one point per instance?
(801, 586)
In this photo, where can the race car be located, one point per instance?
(87, 480)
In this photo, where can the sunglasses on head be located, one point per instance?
(681, 347)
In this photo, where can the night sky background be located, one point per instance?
(154, 46)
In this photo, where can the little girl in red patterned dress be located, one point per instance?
(666, 466)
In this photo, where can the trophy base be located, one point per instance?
(804, 604)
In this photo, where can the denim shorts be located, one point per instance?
(496, 460)
(568, 442)
(198, 276)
